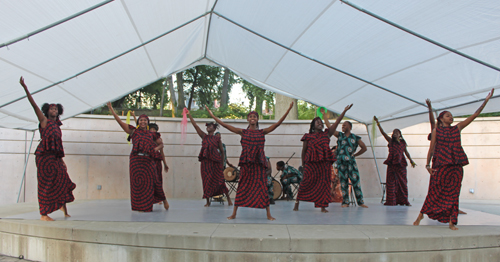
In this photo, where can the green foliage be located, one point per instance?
(307, 111)
(206, 84)
(258, 96)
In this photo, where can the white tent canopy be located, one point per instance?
(386, 60)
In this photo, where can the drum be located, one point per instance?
(277, 190)
(231, 174)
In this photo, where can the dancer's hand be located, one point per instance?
(187, 111)
(21, 81)
(413, 164)
(375, 118)
(291, 105)
(347, 107)
(322, 110)
(166, 168)
(109, 105)
(489, 95)
(430, 170)
(428, 101)
(132, 113)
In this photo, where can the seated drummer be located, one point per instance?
(269, 171)
(289, 175)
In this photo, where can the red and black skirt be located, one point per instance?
(396, 186)
(159, 194)
(212, 177)
(55, 188)
(142, 183)
(317, 184)
(441, 202)
(252, 187)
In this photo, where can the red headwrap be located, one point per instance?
(440, 116)
(253, 113)
(52, 105)
(143, 115)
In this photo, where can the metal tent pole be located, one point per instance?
(25, 165)
(374, 157)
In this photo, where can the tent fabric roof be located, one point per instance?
(84, 53)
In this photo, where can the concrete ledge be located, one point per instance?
(148, 241)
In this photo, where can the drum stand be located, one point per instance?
(232, 186)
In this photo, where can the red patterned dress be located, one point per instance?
(157, 158)
(55, 188)
(317, 184)
(396, 180)
(449, 158)
(212, 173)
(252, 187)
(144, 190)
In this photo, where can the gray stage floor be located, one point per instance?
(182, 210)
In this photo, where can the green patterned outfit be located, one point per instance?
(295, 178)
(348, 169)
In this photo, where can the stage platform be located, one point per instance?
(107, 230)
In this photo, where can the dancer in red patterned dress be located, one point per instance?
(252, 187)
(317, 160)
(396, 180)
(55, 188)
(159, 158)
(211, 157)
(448, 159)
(144, 189)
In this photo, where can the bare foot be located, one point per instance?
(64, 210)
(207, 205)
(345, 205)
(323, 210)
(462, 212)
(296, 207)
(419, 218)
(165, 204)
(269, 217)
(363, 205)
(46, 218)
(452, 226)
(231, 217)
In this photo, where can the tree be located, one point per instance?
(282, 104)
(257, 94)
(224, 98)
(181, 102)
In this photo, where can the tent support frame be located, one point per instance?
(26, 158)
(375, 159)
(419, 35)
(55, 23)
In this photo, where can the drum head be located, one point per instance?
(276, 189)
(229, 174)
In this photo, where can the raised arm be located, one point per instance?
(135, 119)
(430, 153)
(432, 120)
(228, 127)
(275, 125)
(325, 118)
(409, 158)
(332, 130)
(362, 148)
(387, 137)
(196, 127)
(39, 114)
(124, 125)
(471, 118)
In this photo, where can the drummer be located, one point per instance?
(289, 175)
(269, 171)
